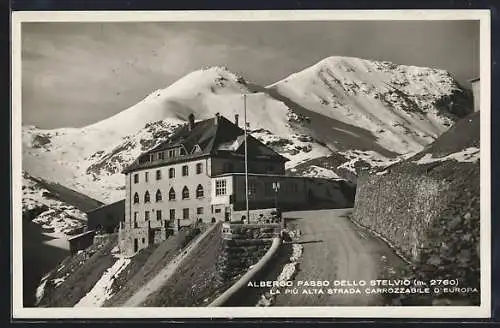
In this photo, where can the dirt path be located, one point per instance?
(160, 279)
(335, 249)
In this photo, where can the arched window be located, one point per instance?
(199, 168)
(146, 197)
(158, 196)
(136, 198)
(199, 191)
(185, 192)
(171, 194)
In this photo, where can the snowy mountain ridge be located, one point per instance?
(401, 105)
(340, 104)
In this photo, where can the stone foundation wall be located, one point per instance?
(255, 215)
(127, 237)
(160, 235)
(243, 247)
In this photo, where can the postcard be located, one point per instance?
(242, 164)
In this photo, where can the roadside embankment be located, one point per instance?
(428, 208)
(235, 290)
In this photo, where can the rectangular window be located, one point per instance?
(185, 170)
(136, 214)
(161, 155)
(217, 210)
(158, 215)
(172, 214)
(252, 188)
(171, 153)
(199, 168)
(146, 215)
(185, 213)
(183, 152)
(146, 176)
(136, 178)
(158, 174)
(199, 210)
(171, 173)
(220, 187)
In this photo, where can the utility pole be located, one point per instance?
(246, 156)
(276, 187)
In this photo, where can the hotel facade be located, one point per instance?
(198, 174)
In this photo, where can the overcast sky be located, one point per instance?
(75, 74)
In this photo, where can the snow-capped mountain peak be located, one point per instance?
(338, 104)
(404, 107)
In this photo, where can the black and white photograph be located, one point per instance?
(243, 164)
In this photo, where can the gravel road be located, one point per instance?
(335, 249)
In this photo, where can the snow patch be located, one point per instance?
(102, 289)
(294, 146)
(382, 172)
(40, 290)
(319, 172)
(468, 155)
(372, 158)
(59, 281)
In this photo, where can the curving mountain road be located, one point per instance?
(336, 249)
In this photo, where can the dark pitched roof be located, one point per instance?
(216, 137)
(201, 135)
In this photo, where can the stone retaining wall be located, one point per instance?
(243, 246)
(252, 273)
(430, 213)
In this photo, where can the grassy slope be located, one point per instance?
(195, 280)
(146, 265)
(82, 271)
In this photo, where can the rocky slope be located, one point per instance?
(428, 207)
(54, 207)
(51, 213)
(349, 108)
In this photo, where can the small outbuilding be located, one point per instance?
(106, 218)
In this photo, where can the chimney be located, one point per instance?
(236, 119)
(191, 121)
(217, 116)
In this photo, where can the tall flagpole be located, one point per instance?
(246, 156)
